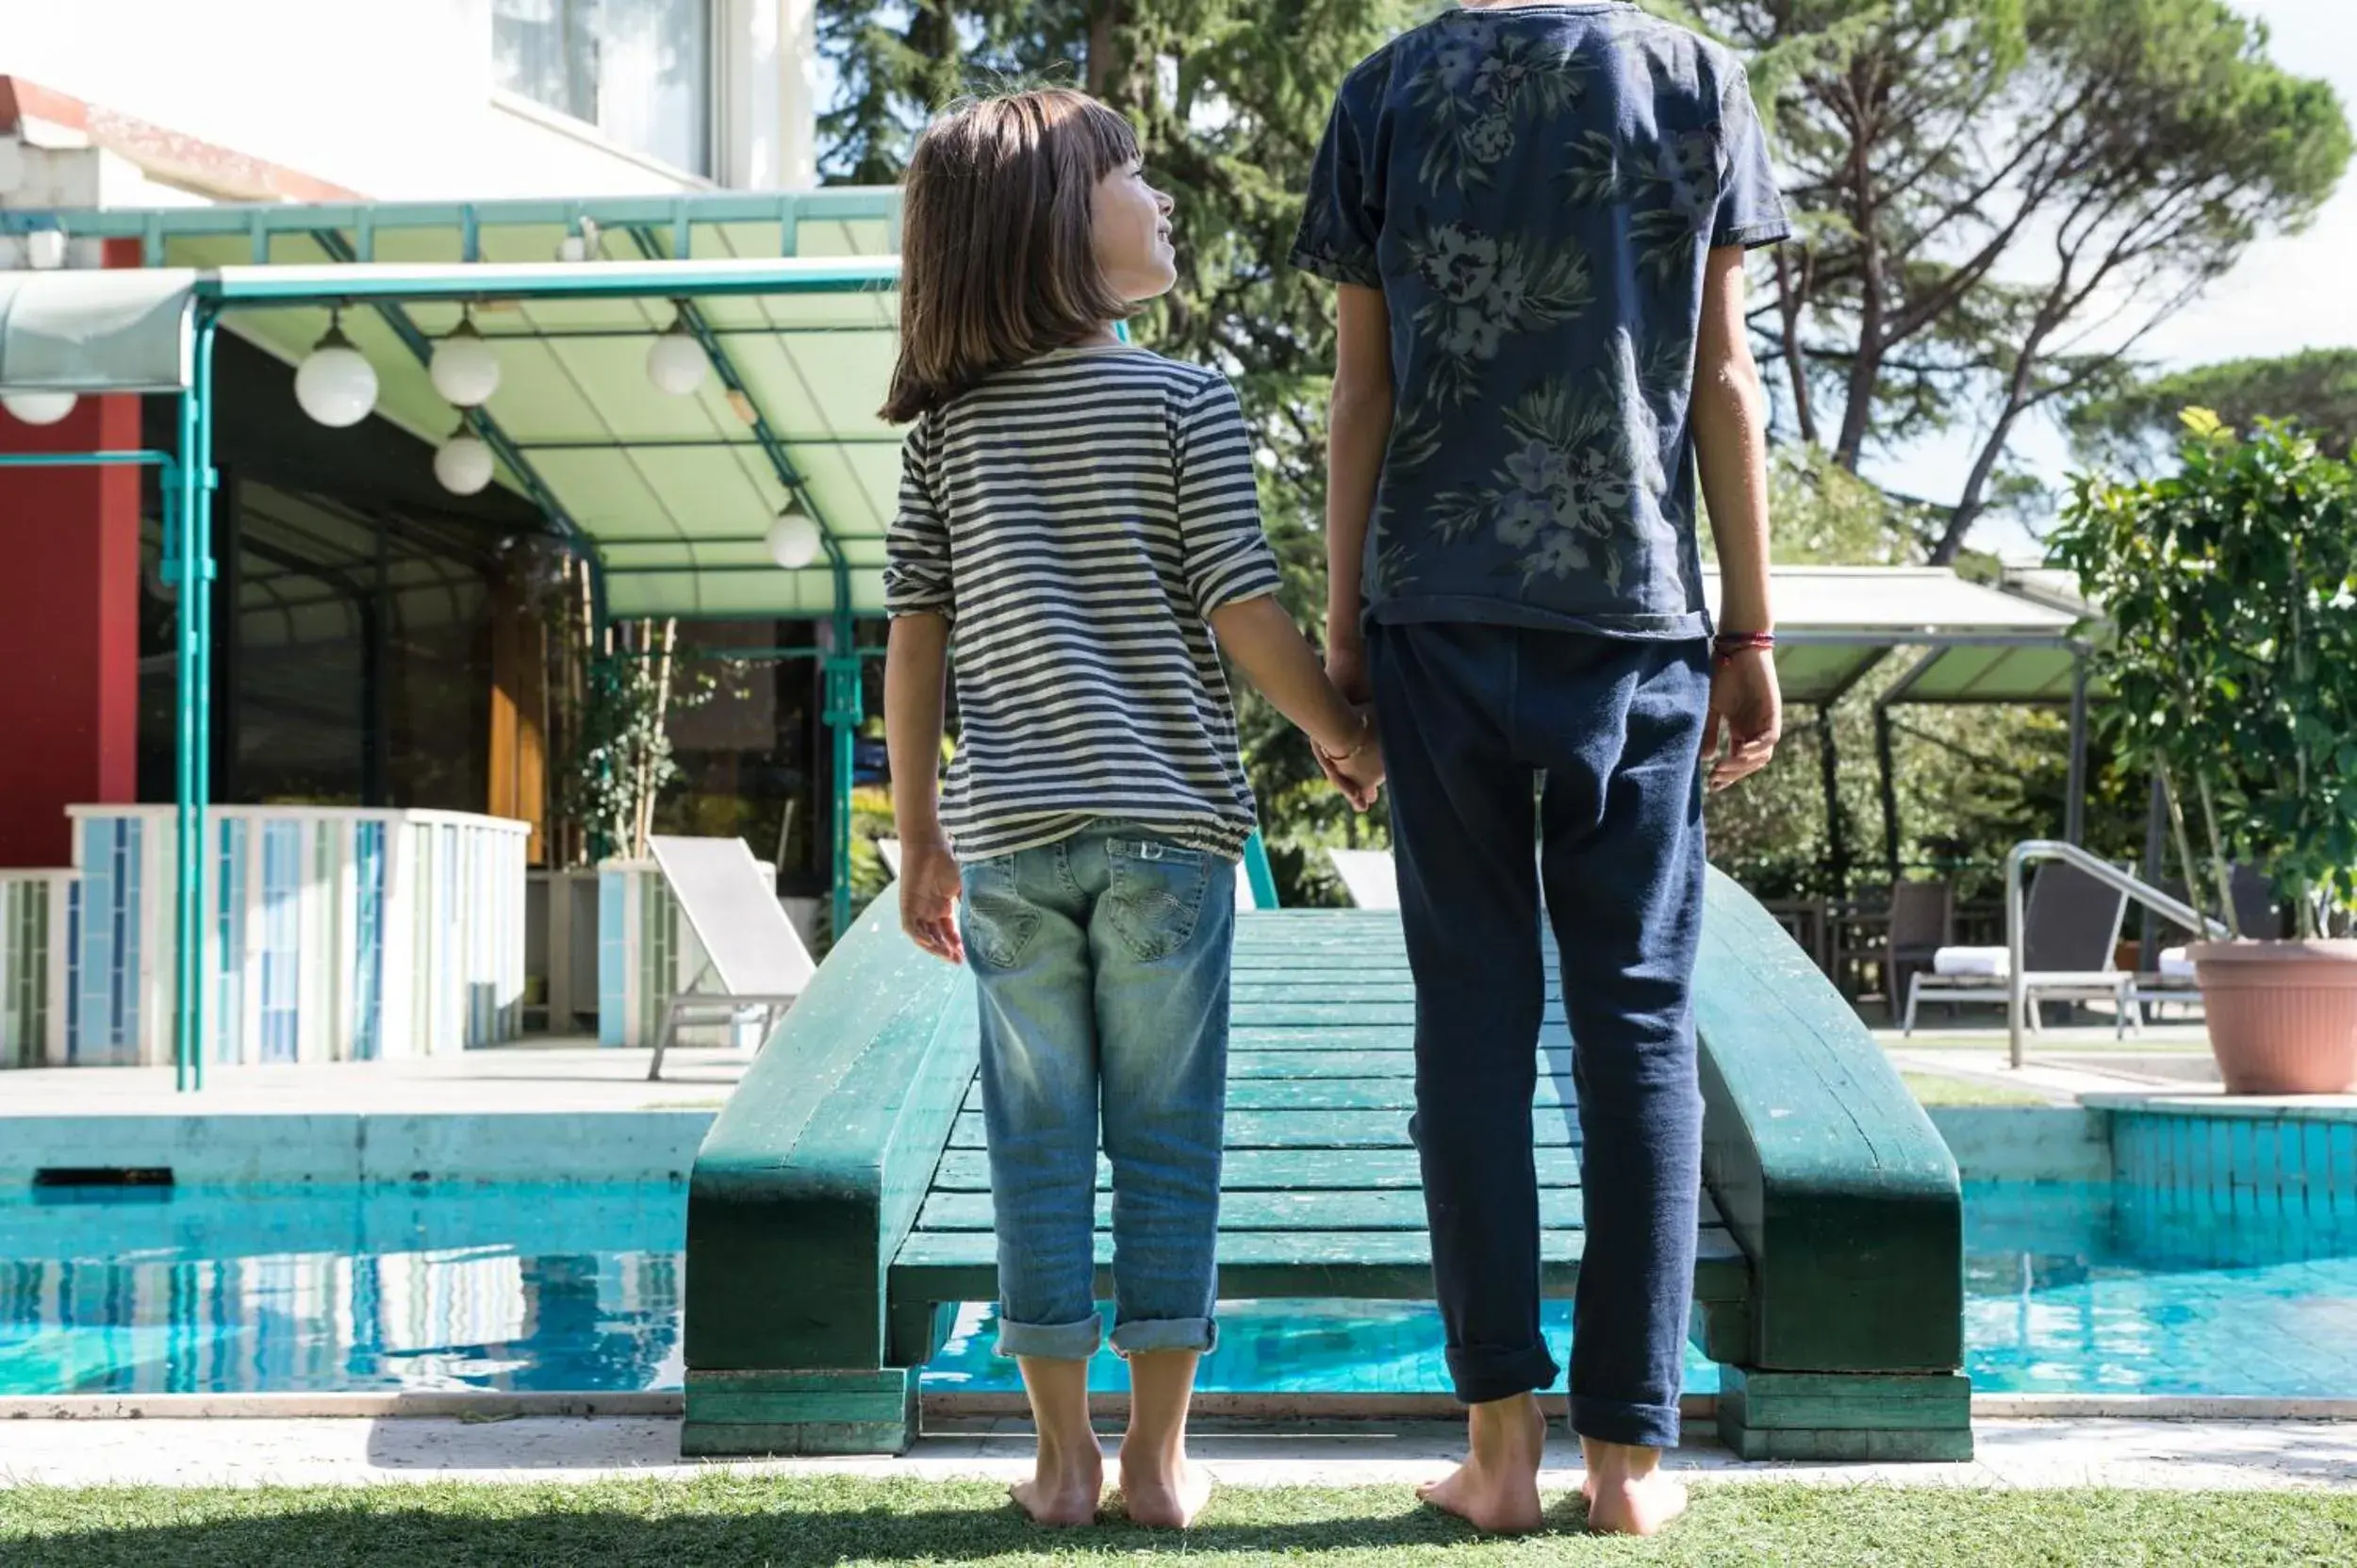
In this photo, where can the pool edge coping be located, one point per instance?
(491, 1404)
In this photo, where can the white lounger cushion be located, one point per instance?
(1975, 962)
(2175, 964)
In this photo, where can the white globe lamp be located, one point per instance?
(676, 362)
(336, 384)
(38, 407)
(464, 368)
(463, 463)
(793, 540)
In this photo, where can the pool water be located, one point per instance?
(2073, 1289)
(332, 1289)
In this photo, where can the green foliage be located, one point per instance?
(2231, 587)
(621, 760)
(1971, 780)
(623, 755)
(1820, 514)
(1981, 184)
(2135, 426)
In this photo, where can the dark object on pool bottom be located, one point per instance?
(102, 1176)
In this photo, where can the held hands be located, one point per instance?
(929, 898)
(1746, 716)
(1357, 769)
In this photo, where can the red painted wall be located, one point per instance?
(68, 629)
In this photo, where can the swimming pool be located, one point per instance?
(2074, 1289)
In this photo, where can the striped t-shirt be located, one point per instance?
(1077, 519)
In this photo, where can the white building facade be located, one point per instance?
(156, 103)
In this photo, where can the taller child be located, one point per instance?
(1537, 214)
(1080, 516)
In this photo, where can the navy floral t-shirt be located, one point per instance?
(1535, 190)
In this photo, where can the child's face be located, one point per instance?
(1131, 226)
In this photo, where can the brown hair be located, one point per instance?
(996, 264)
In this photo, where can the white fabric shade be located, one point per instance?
(107, 331)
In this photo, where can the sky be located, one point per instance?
(2290, 293)
(2286, 294)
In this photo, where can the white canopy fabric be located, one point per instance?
(1817, 600)
(1835, 624)
(96, 331)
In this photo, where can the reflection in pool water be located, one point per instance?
(572, 1286)
(260, 1289)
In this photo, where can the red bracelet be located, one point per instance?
(1727, 645)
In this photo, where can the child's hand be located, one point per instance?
(1746, 717)
(928, 899)
(1357, 770)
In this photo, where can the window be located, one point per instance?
(638, 69)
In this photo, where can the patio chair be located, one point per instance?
(754, 960)
(1368, 875)
(2071, 932)
(1922, 922)
(2169, 979)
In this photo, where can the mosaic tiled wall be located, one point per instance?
(32, 974)
(640, 962)
(331, 934)
(646, 954)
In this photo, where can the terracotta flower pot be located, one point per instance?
(2283, 1014)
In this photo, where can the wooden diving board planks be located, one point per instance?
(1248, 1170)
(1394, 1092)
(1368, 1265)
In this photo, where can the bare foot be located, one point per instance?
(1627, 1491)
(1497, 1487)
(1163, 1496)
(1065, 1490)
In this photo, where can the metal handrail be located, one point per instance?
(2151, 898)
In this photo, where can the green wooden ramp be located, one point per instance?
(840, 1208)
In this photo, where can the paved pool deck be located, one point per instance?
(576, 1074)
(2171, 1455)
(535, 1075)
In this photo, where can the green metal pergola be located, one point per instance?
(667, 500)
(1837, 626)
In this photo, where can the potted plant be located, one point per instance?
(2230, 588)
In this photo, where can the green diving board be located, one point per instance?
(840, 1208)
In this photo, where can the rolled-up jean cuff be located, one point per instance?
(1054, 1342)
(1165, 1333)
(1618, 1421)
(1481, 1376)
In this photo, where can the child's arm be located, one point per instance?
(917, 667)
(1731, 454)
(1358, 424)
(1265, 644)
(1233, 576)
(921, 594)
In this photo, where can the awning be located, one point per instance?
(95, 332)
(793, 298)
(676, 494)
(1835, 624)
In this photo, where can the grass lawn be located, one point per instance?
(1940, 1089)
(790, 1522)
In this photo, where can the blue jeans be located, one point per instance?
(1473, 717)
(1102, 964)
